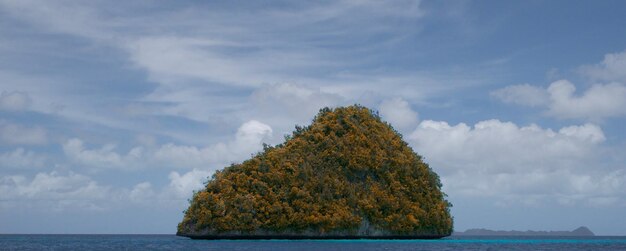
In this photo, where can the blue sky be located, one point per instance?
(112, 113)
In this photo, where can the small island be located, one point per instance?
(581, 231)
(347, 175)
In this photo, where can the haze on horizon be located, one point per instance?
(112, 114)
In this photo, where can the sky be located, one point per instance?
(112, 112)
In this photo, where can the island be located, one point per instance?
(347, 175)
(581, 231)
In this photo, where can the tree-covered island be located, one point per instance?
(347, 175)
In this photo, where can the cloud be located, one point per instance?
(288, 103)
(249, 138)
(586, 132)
(15, 134)
(182, 186)
(598, 102)
(20, 158)
(52, 191)
(398, 112)
(14, 101)
(171, 60)
(142, 192)
(196, 57)
(612, 68)
(508, 162)
(179, 189)
(71, 191)
(105, 157)
(523, 94)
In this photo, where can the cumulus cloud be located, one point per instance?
(523, 94)
(183, 186)
(612, 68)
(180, 188)
(249, 138)
(104, 157)
(598, 102)
(72, 191)
(21, 158)
(142, 192)
(16, 134)
(586, 132)
(398, 112)
(14, 101)
(509, 162)
(52, 189)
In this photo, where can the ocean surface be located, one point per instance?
(171, 242)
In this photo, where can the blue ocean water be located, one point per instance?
(171, 242)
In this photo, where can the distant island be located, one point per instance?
(348, 175)
(581, 231)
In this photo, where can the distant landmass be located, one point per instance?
(581, 231)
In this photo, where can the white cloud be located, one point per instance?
(183, 186)
(523, 94)
(251, 134)
(72, 191)
(76, 192)
(142, 192)
(288, 103)
(52, 191)
(599, 101)
(14, 101)
(249, 138)
(179, 189)
(398, 112)
(22, 135)
(586, 132)
(512, 163)
(189, 53)
(105, 157)
(612, 68)
(173, 59)
(20, 158)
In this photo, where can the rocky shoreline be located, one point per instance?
(308, 237)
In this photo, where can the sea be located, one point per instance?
(172, 242)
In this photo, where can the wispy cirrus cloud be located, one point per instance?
(17, 134)
(190, 53)
(14, 101)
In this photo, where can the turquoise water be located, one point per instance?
(171, 242)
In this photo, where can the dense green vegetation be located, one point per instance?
(348, 168)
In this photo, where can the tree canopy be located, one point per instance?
(348, 173)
